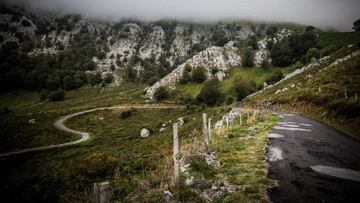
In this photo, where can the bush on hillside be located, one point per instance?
(274, 77)
(243, 88)
(312, 53)
(109, 78)
(43, 95)
(57, 95)
(198, 75)
(161, 93)
(210, 93)
(186, 77)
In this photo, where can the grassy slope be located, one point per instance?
(67, 175)
(257, 74)
(327, 105)
(338, 39)
(26, 105)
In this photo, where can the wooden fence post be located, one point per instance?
(205, 133)
(176, 155)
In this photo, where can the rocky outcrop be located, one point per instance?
(153, 45)
(221, 57)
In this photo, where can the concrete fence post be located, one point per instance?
(227, 121)
(205, 133)
(101, 192)
(176, 154)
(346, 96)
(355, 96)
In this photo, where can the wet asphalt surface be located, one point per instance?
(323, 145)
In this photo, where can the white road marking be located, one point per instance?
(275, 154)
(288, 114)
(305, 124)
(292, 129)
(275, 135)
(291, 126)
(337, 172)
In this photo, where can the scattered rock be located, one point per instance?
(168, 195)
(32, 121)
(144, 133)
(162, 129)
(190, 181)
(101, 118)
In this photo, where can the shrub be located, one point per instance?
(198, 75)
(312, 53)
(186, 78)
(43, 95)
(95, 79)
(243, 88)
(127, 113)
(57, 95)
(161, 93)
(210, 93)
(274, 77)
(214, 70)
(109, 78)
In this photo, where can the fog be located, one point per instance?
(337, 14)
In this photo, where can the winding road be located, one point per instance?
(312, 162)
(60, 124)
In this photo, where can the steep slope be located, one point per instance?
(221, 57)
(326, 89)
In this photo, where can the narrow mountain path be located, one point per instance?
(312, 162)
(60, 124)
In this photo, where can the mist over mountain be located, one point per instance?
(336, 14)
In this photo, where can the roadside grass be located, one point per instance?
(240, 150)
(320, 93)
(241, 153)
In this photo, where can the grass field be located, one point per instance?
(338, 39)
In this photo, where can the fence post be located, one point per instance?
(205, 133)
(101, 192)
(355, 96)
(346, 97)
(209, 128)
(240, 119)
(248, 117)
(176, 155)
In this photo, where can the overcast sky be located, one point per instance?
(337, 14)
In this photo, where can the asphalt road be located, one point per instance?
(312, 162)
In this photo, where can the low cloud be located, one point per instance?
(338, 14)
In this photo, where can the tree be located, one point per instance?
(252, 42)
(43, 95)
(214, 70)
(356, 26)
(248, 58)
(210, 93)
(243, 88)
(281, 54)
(161, 93)
(198, 75)
(271, 31)
(68, 82)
